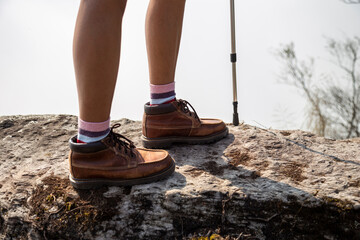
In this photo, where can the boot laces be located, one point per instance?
(120, 141)
(185, 108)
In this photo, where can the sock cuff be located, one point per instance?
(162, 88)
(93, 126)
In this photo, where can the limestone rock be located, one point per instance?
(255, 184)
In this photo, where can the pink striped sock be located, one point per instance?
(160, 94)
(92, 131)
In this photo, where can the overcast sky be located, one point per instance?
(37, 76)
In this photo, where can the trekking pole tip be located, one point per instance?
(235, 115)
(235, 119)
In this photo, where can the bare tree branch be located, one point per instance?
(334, 111)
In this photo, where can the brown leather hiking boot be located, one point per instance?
(170, 123)
(115, 161)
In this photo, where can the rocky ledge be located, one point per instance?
(254, 184)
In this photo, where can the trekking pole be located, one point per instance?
(233, 63)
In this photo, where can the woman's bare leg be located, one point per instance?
(96, 52)
(163, 33)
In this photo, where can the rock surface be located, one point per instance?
(255, 184)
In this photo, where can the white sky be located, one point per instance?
(37, 76)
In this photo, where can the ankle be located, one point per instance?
(161, 94)
(89, 132)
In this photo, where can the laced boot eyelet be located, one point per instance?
(120, 143)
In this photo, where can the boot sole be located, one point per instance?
(166, 142)
(97, 183)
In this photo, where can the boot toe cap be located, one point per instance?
(211, 126)
(155, 158)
